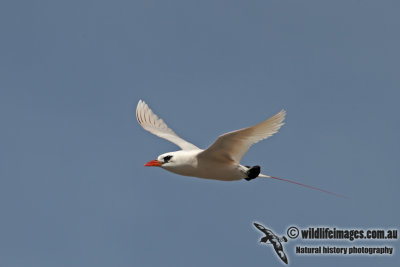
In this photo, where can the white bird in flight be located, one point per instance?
(221, 160)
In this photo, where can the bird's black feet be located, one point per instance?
(252, 172)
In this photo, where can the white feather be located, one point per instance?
(155, 125)
(230, 147)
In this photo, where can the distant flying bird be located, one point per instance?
(221, 160)
(274, 240)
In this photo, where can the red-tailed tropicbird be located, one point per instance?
(221, 160)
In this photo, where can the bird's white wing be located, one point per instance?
(152, 123)
(230, 147)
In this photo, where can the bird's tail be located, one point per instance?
(305, 185)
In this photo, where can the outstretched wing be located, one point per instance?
(281, 253)
(233, 145)
(155, 125)
(261, 228)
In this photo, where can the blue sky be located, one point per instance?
(73, 189)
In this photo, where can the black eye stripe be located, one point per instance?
(167, 158)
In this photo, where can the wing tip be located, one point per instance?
(140, 102)
(139, 107)
(280, 117)
(282, 113)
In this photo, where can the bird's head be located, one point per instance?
(163, 160)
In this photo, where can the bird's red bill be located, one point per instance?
(153, 163)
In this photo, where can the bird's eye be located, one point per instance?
(167, 158)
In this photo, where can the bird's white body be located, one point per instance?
(191, 163)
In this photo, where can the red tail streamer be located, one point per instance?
(309, 186)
